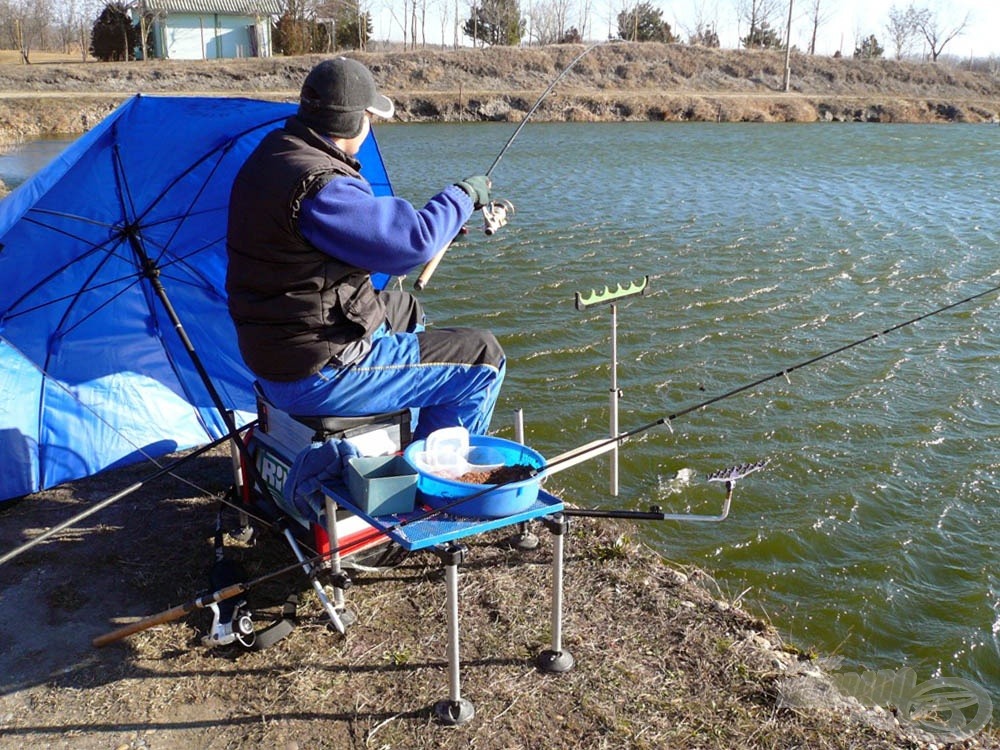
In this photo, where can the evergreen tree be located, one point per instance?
(868, 49)
(114, 38)
(644, 23)
(573, 36)
(704, 36)
(352, 27)
(495, 22)
(762, 37)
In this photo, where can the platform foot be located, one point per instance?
(554, 662)
(454, 713)
(347, 617)
(522, 540)
(244, 534)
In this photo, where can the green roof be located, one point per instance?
(230, 7)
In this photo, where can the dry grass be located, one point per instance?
(619, 82)
(13, 57)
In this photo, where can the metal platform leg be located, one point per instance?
(245, 532)
(339, 578)
(556, 659)
(341, 581)
(455, 710)
(523, 539)
(310, 572)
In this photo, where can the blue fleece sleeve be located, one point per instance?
(381, 234)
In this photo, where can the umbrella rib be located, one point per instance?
(100, 248)
(116, 247)
(194, 199)
(149, 272)
(219, 151)
(223, 147)
(48, 278)
(135, 225)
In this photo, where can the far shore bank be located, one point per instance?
(39, 116)
(613, 83)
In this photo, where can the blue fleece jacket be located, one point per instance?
(381, 234)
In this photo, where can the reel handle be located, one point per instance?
(496, 215)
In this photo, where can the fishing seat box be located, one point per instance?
(284, 436)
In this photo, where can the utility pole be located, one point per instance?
(788, 47)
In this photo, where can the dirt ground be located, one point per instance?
(661, 660)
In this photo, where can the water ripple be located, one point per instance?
(872, 532)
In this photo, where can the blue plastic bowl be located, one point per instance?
(508, 499)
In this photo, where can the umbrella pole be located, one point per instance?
(152, 273)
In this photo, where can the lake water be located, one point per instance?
(873, 531)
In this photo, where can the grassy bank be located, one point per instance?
(662, 659)
(614, 82)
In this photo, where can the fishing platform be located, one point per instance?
(346, 521)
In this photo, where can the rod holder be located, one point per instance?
(611, 297)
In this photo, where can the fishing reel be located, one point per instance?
(230, 624)
(495, 215)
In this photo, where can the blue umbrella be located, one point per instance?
(115, 341)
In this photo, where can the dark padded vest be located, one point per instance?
(295, 308)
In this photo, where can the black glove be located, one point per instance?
(478, 188)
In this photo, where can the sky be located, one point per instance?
(846, 21)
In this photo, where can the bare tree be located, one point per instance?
(548, 19)
(444, 17)
(585, 10)
(817, 17)
(937, 35)
(31, 19)
(703, 32)
(402, 20)
(422, 8)
(903, 28)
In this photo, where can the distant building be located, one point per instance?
(207, 29)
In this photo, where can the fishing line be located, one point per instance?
(538, 103)
(826, 355)
(496, 212)
(164, 470)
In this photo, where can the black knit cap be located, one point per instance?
(335, 96)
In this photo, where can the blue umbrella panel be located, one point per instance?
(93, 370)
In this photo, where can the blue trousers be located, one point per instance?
(452, 376)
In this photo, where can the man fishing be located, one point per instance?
(305, 234)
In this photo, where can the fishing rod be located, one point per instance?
(559, 463)
(167, 469)
(497, 212)
(524, 120)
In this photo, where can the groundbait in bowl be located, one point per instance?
(511, 498)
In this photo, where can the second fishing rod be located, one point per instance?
(566, 460)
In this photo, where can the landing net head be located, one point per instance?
(736, 472)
